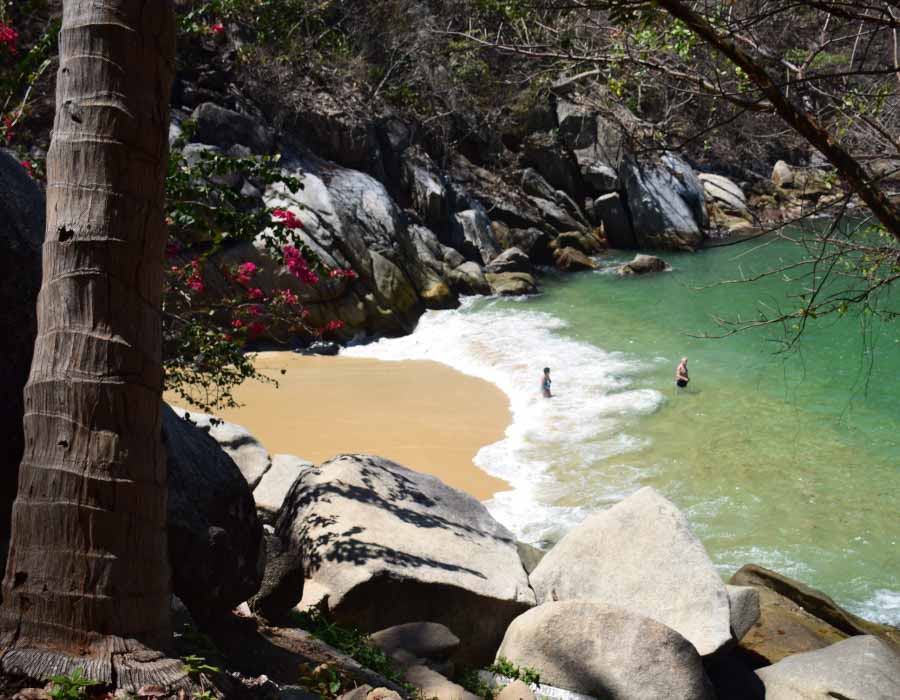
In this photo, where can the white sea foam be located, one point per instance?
(550, 442)
(883, 607)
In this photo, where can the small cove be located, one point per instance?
(786, 460)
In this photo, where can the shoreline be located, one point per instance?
(422, 414)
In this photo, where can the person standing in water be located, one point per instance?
(545, 384)
(681, 374)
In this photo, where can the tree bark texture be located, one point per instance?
(861, 182)
(87, 579)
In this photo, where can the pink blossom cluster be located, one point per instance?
(8, 38)
(333, 325)
(195, 278)
(217, 28)
(288, 218)
(298, 267)
(347, 274)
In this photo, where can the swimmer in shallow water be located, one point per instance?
(545, 384)
(681, 374)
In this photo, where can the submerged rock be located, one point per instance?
(606, 652)
(640, 555)
(642, 265)
(381, 545)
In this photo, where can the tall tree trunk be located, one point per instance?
(87, 579)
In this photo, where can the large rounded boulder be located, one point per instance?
(641, 556)
(21, 236)
(216, 542)
(382, 545)
(606, 652)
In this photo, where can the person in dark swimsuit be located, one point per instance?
(681, 374)
(545, 384)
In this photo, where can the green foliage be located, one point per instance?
(357, 645)
(505, 667)
(71, 687)
(471, 681)
(195, 665)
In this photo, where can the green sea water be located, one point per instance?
(789, 460)
(792, 457)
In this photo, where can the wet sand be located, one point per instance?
(421, 414)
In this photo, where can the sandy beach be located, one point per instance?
(424, 415)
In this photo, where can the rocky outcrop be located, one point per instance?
(472, 236)
(572, 260)
(21, 236)
(666, 203)
(215, 538)
(424, 639)
(282, 583)
(814, 602)
(609, 558)
(642, 265)
(743, 602)
(224, 127)
(432, 684)
(510, 260)
(469, 279)
(381, 545)
(859, 667)
(606, 652)
(782, 175)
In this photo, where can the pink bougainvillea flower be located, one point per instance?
(288, 297)
(29, 168)
(298, 267)
(338, 274)
(255, 329)
(8, 38)
(255, 293)
(288, 218)
(217, 28)
(237, 323)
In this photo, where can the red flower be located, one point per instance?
(288, 297)
(288, 218)
(28, 167)
(255, 293)
(8, 38)
(255, 329)
(217, 28)
(298, 267)
(237, 323)
(348, 274)
(172, 249)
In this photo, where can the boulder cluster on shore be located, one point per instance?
(627, 605)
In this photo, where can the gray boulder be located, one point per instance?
(511, 284)
(517, 690)
(606, 652)
(743, 601)
(472, 236)
(21, 236)
(571, 259)
(510, 260)
(424, 639)
(534, 242)
(642, 265)
(469, 279)
(862, 668)
(556, 216)
(223, 127)
(783, 175)
(381, 545)
(666, 202)
(216, 544)
(640, 555)
(282, 583)
(609, 210)
(725, 193)
(248, 454)
(276, 482)
(433, 685)
(600, 178)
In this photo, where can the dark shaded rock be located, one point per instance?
(425, 639)
(224, 127)
(321, 347)
(600, 178)
(537, 186)
(814, 602)
(382, 545)
(610, 212)
(586, 242)
(556, 216)
(472, 236)
(555, 163)
(534, 242)
(642, 265)
(215, 537)
(510, 260)
(425, 187)
(22, 233)
(282, 582)
(530, 556)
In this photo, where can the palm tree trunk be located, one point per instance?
(87, 579)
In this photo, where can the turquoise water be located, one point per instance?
(788, 460)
